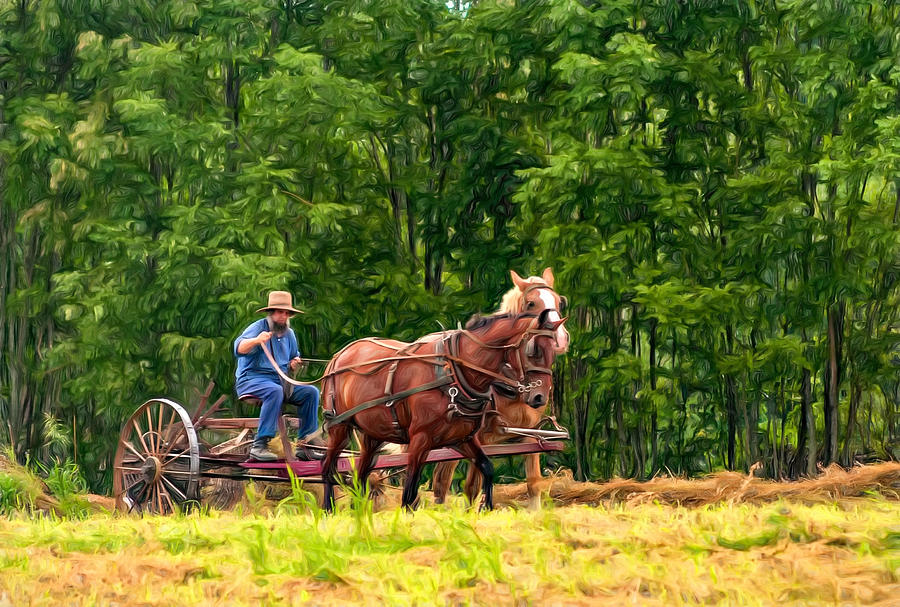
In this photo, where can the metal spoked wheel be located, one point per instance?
(157, 464)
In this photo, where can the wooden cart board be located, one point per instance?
(314, 468)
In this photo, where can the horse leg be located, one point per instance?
(533, 478)
(367, 450)
(338, 437)
(472, 449)
(443, 477)
(416, 455)
(473, 476)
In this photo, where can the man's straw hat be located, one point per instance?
(280, 300)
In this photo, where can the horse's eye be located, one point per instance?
(530, 305)
(563, 304)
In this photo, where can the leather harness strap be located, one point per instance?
(337, 419)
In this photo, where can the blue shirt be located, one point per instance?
(254, 364)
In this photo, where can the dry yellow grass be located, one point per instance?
(785, 553)
(729, 539)
(834, 483)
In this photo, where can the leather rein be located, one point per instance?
(455, 359)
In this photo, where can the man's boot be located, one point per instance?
(260, 450)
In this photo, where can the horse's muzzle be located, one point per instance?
(537, 401)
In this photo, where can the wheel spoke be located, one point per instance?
(175, 457)
(148, 504)
(169, 429)
(172, 442)
(150, 428)
(179, 473)
(163, 498)
(172, 505)
(135, 501)
(140, 436)
(128, 488)
(159, 427)
(138, 470)
(131, 448)
(174, 488)
(157, 498)
(164, 493)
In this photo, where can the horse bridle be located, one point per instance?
(525, 368)
(562, 298)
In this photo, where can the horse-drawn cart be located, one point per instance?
(433, 395)
(170, 459)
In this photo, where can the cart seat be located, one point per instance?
(283, 420)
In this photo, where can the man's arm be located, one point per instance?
(248, 344)
(295, 361)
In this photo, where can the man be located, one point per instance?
(257, 377)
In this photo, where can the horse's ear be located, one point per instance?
(520, 282)
(531, 348)
(474, 322)
(557, 323)
(548, 277)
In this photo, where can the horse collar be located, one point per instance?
(468, 393)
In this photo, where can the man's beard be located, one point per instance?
(280, 327)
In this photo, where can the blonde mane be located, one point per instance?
(514, 299)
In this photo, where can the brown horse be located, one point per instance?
(429, 394)
(533, 294)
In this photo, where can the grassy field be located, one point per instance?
(846, 552)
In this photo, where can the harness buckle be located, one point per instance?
(452, 408)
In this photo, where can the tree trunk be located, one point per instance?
(835, 321)
(855, 396)
(730, 406)
(654, 429)
(772, 433)
(637, 435)
(804, 461)
(581, 403)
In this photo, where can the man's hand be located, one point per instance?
(295, 363)
(263, 337)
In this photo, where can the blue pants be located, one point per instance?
(271, 394)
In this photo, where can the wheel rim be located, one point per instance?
(157, 464)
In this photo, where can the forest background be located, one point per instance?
(715, 183)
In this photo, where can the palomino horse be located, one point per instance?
(430, 393)
(533, 294)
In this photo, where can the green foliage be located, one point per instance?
(16, 494)
(64, 479)
(57, 491)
